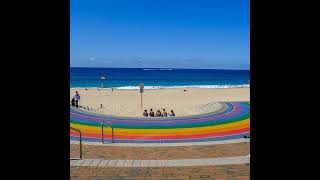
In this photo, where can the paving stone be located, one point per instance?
(166, 152)
(193, 161)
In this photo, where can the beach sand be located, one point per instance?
(193, 101)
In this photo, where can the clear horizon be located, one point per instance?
(156, 68)
(160, 34)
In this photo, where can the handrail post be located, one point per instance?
(80, 145)
(102, 140)
(112, 135)
(80, 140)
(102, 132)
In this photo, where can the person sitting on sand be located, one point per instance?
(158, 113)
(172, 113)
(164, 113)
(145, 113)
(151, 113)
(73, 102)
(76, 98)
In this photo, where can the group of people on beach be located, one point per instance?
(158, 113)
(76, 99)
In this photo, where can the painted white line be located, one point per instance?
(87, 162)
(112, 163)
(77, 163)
(72, 162)
(95, 162)
(144, 163)
(128, 163)
(153, 163)
(136, 163)
(163, 163)
(103, 163)
(120, 163)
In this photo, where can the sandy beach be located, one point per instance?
(192, 101)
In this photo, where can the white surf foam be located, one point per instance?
(171, 87)
(157, 69)
(191, 86)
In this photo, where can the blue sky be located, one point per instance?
(209, 34)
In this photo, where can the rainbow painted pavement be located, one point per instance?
(232, 121)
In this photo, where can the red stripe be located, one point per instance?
(120, 137)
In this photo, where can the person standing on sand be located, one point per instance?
(76, 98)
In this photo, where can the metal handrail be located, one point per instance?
(78, 130)
(102, 133)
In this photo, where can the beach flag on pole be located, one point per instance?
(141, 87)
(103, 77)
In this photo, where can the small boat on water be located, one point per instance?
(103, 77)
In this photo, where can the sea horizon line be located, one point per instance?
(158, 68)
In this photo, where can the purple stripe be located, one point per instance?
(234, 112)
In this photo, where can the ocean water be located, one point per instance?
(155, 78)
